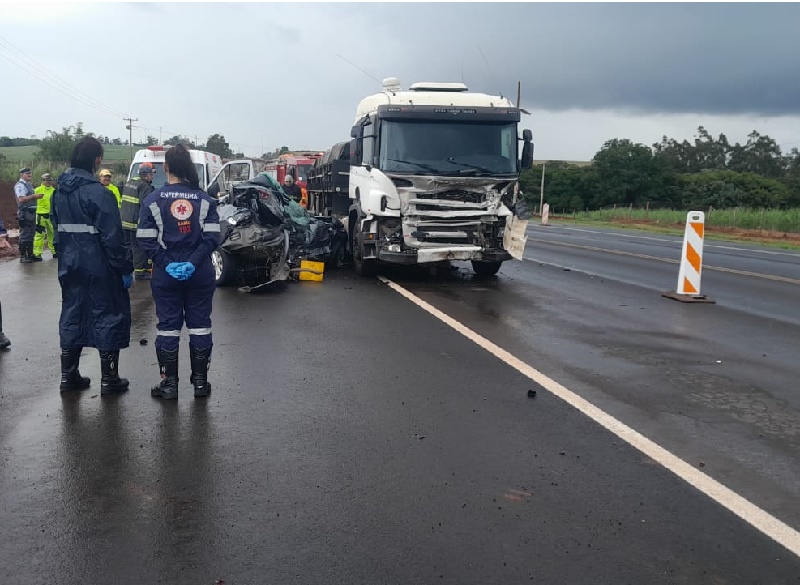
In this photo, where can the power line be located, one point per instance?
(19, 58)
(364, 71)
(47, 82)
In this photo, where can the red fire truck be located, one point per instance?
(295, 164)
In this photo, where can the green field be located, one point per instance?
(774, 220)
(20, 154)
(26, 154)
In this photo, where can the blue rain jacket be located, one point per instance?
(96, 308)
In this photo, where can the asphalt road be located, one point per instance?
(353, 437)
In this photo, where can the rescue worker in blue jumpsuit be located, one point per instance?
(93, 269)
(178, 230)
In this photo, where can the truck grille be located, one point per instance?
(453, 195)
(454, 217)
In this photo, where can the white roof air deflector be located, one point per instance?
(391, 84)
(437, 86)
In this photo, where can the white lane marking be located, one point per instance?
(759, 519)
(769, 252)
(623, 235)
(669, 260)
(679, 239)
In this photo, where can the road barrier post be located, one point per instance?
(691, 263)
(545, 213)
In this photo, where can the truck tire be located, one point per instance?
(483, 268)
(224, 267)
(361, 266)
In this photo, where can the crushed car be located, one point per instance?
(266, 236)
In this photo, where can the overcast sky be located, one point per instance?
(268, 75)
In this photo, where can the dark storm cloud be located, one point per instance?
(645, 58)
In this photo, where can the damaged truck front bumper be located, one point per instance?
(442, 254)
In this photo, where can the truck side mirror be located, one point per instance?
(526, 160)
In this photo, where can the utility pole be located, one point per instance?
(130, 133)
(159, 135)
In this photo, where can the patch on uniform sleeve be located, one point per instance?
(181, 209)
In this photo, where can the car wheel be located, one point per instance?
(337, 257)
(224, 267)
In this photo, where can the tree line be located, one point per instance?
(708, 172)
(57, 146)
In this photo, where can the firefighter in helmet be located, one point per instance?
(133, 193)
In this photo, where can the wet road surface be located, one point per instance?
(352, 438)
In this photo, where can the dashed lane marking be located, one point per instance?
(778, 531)
(668, 260)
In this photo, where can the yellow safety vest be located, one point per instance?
(43, 204)
(113, 188)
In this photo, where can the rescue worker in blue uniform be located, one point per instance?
(178, 230)
(93, 269)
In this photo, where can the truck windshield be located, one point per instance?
(302, 172)
(448, 148)
(160, 178)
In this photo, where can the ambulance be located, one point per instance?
(207, 164)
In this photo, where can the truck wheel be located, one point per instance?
(483, 268)
(361, 266)
(224, 267)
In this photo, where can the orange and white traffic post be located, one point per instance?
(691, 263)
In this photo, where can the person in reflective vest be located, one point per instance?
(105, 181)
(179, 229)
(26, 214)
(133, 193)
(93, 270)
(44, 227)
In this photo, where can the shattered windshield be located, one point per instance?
(451, 148)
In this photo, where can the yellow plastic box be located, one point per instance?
(310, 270)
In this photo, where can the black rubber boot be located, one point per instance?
(4, 341)
(26, 253)
(168, 367)
(71, 378)
(200, 360)
(110, 382)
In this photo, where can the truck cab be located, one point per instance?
(433, 177)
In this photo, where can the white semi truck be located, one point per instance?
(433, 177)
